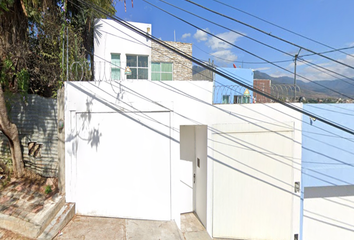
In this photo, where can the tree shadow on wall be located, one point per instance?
(36, 120)
(94, 138)
(85, 132)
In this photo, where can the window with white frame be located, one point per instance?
(115, 66)
(139, 65)
(161, 71)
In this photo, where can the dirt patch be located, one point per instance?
(30, 183)
(21, 197)
(25, 195)
(8, 235)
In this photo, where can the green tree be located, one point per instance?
(13, 45)
(31, 51)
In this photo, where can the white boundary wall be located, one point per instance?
(328, 213)
(190, 103)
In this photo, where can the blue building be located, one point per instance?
(327, 152)
(228, 92)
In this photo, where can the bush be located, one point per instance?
(48, 189)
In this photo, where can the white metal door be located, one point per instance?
(200, 165)
(253, 182)
(187, 159)
(123, 165)
(193, 167)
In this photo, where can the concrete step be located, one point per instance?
(33, 223)
(60, 220)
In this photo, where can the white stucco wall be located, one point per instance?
(328, 213)
(112, 37)
(190, 103)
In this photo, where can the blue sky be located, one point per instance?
(327, 21)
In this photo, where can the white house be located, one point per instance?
(117, 48)
(140, 147)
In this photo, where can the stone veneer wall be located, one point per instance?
(182, 68)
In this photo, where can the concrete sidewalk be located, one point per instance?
(83, 227)
(192, 228)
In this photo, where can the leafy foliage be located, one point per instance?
(48, 189)
(45, 57)
(34, 37)
(4, 5)
(9, 72)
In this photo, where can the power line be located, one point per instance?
(305, 122)
(267, 174)
(139, 42)
(297, 34)
(336, 106)
(320, 134)
(269, 34)
(260, 42)
(241, 142)
(316, 66)
(324, 109)
(238, 47)
(245, 119)
(275, 61)
(221, 73)
(330, 51)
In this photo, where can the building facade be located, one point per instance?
(263, 85)
(168, 65)
(229, 92)
(122, 54)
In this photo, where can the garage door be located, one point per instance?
(123, 165)
(253, 182)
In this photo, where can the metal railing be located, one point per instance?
(228, 94)
(285, 92)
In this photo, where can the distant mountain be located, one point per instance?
(315, 89)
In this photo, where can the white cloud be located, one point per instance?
(224, 56)
(218, 44)
(261, 69)
(314, 73)
(186, 35)
(201, 35)
(281, 74)
(298, 64)
(321, 74)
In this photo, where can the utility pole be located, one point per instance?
(296, 56)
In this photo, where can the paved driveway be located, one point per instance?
(83, 227)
